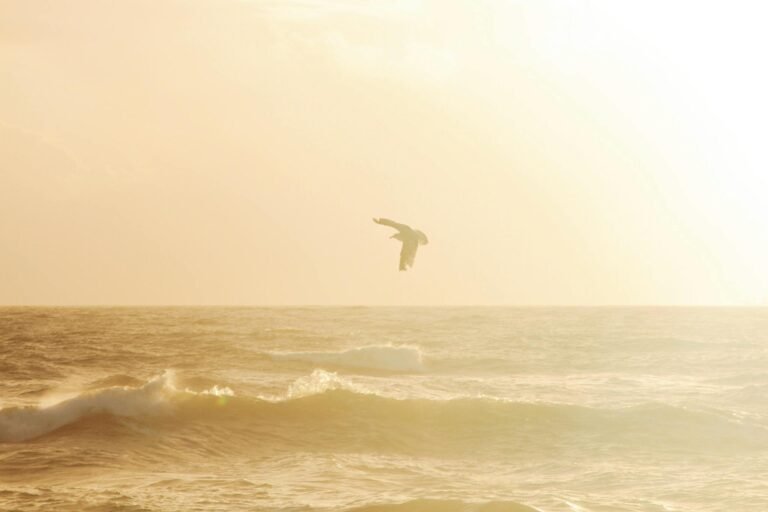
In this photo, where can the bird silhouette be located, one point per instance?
(411, 238)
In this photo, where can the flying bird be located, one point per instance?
(411, 238)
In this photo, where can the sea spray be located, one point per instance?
(321, 381)
(154, 397)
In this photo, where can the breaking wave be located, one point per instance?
(321, 381)
(344, 414)
(152, 398)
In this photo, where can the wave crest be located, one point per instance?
(343, 412)
(319, 382)
(152, 398)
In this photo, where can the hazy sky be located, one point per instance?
(234, 152)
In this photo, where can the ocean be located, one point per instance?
(383, 409)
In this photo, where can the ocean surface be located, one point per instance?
(384, 409)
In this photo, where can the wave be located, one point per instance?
(319, 381)
(433, 505)
(326, 410)
(152, 398)
(395, 358)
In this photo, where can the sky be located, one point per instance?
(584, 152)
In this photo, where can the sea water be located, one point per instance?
(376, 409)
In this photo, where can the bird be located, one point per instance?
(411, 238)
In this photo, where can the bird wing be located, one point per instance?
(408, 253)
(392, 224)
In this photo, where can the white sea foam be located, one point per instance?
(321, 381)
(216, 390)
(397, 358)
(152, 398)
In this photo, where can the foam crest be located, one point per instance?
(154, 397)
(321, 381)
(216, 390)
(396, 358)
